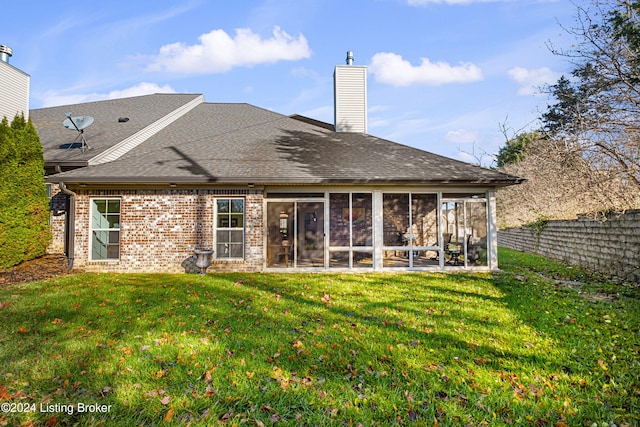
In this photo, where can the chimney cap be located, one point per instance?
(6, 49)
(5, 53)
(349, 57)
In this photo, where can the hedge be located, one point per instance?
(24, 204)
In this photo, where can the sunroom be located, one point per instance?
(391, 229)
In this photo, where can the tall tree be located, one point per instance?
(586, 156)
(516, 148)
(597, 109)
(24, 205)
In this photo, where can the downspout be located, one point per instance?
(70, 229)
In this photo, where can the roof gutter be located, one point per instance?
(70, 228)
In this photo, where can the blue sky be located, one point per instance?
(443, 75)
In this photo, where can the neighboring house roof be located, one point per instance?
(240, 144)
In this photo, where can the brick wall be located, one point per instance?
(159, 230)
(611, 246)
(58, 210)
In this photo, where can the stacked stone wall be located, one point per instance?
(610, 246)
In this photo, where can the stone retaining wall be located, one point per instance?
(611, 246)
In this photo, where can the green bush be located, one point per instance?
(24, 205)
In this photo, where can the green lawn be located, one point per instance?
(539, 344)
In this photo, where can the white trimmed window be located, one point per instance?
(105, 229)
(229, 228)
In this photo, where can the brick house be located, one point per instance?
(157, 176)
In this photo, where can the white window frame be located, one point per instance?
(243, 228)
(92, 229)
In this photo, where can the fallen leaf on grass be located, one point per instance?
(4, 394)
(168, 415)
(52, 421)
(537, 392)
(155, 393)
(273, 359)
(275, 418)
(165, 400)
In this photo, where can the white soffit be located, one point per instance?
(142, 135)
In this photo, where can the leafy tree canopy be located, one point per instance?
(585, 157)
(597, 109)
(516, 147)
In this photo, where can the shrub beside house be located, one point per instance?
(24, 207)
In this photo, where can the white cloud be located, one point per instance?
(531, 81)
(391, 68)
(462, 136)
(217, 52)
(52, 98)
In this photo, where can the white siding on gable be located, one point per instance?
(14, 92)
(350, 92)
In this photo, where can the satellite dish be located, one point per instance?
(79, 124)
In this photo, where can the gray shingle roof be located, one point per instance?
(240, 143)
(106, 131)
